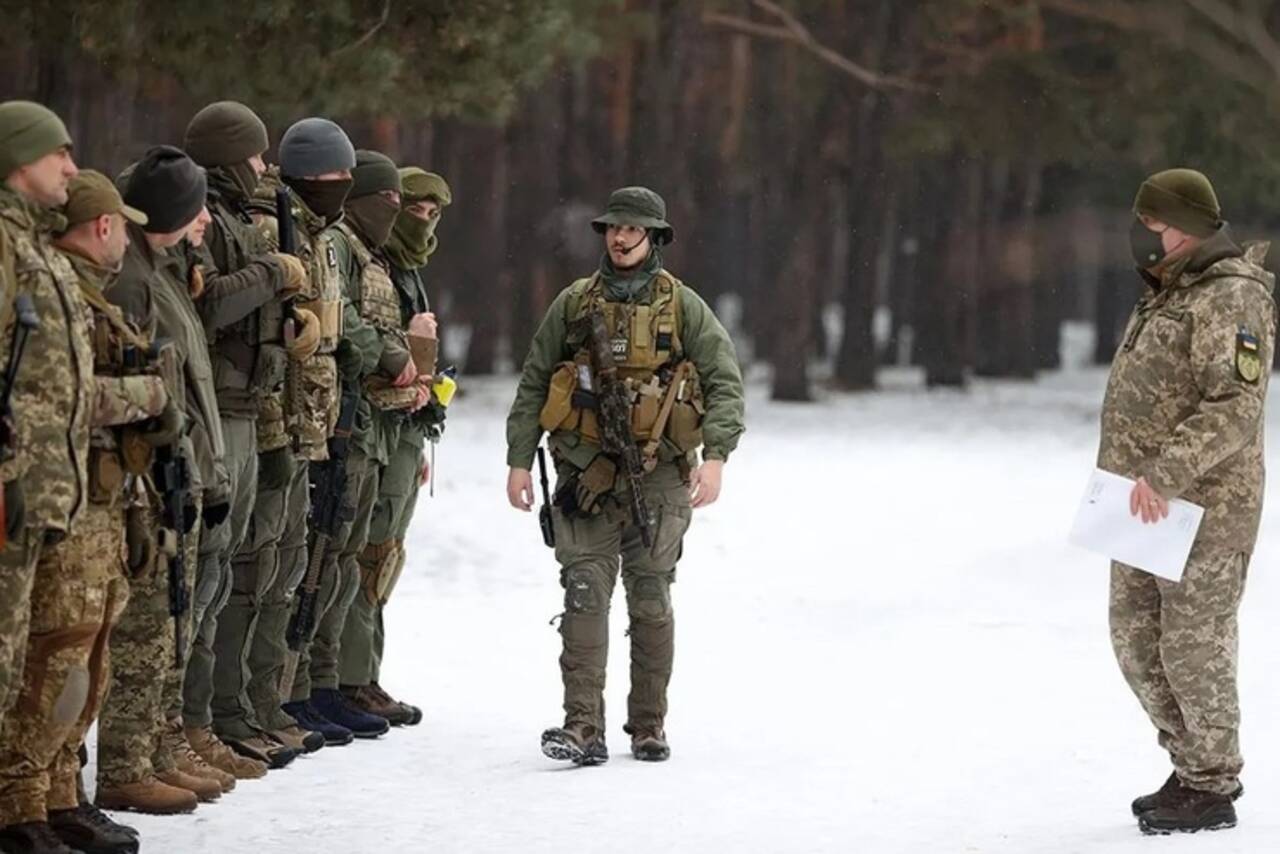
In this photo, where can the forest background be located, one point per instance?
(936, 183)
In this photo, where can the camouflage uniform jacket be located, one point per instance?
(1184, 406)
(241, 314)
(365, 350)
(51, 395)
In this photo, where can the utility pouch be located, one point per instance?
(106, 475)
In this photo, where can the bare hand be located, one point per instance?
(424, 325)
(1148, 503)
(407, 376)
(520, 489)
(424, 473)
(705, 488)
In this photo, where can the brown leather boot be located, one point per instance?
(375, 701)
(301, 740)
(408, 714)
(264, 748)
(648, 744)
(211, 750)
(205, 789)
(190, 762)
(147, 796)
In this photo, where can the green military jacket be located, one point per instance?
(365, 351)
(705, 341)
(52, 392)
(152, 292)
(239, 306)
(1185, 400)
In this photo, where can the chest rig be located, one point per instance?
(644, 339)
(321, 293)
(380, 308)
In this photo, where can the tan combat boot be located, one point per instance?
(147, 796)
(190, 762)
(648, 744)
(301, 740)
(205, 789)
(217, 754)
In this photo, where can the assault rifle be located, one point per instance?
(286, 238)
(329, 509)
(544, 514)
(613, 415)
(172, 478)
(27, 322)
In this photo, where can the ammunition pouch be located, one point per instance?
(136, 453)
(106, 475)
(386, 397)
(684, 425)
(329, 313)
(582, 494)
(140, 541)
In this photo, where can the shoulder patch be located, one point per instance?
(1248, 357)
(331, 256)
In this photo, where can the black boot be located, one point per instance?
(1168, 794)
(1190, 811)
(88, 829)
(581, 744)
(32, 837)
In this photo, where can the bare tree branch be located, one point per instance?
(368, 34)
(792, 31)
(1244, 24)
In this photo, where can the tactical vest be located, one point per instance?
(116, 455)
(645, 342)
(308, 407)
(380, 308)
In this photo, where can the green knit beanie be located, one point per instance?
(1182, 198)
(374, 173)
(225, 133)
(28, 131)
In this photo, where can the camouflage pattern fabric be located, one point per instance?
(1184, 409)
(18, 561)
(588, 551)
(78, 594)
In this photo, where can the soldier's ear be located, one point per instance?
(103, 226)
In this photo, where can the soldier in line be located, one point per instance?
(81, 585)
(423, 197)
(1183, 416)
(43, 483)
(243, 305)
(316, 159)
(136, 769)
(676, 362)
(377, 366)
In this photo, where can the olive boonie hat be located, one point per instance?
(91, 195)
(638, 206)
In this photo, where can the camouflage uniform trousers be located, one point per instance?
(1177, 646)
(145, 681)
(590, 552)
(250, 643)
(339, 581)
(364, 635)
(80, 591)
(213, 588)
(18, 561)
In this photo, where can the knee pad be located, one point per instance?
(585, 591)
(650, 599)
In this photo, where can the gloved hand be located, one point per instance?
(215, 514)
(307, 341)
(295, 274)
(424, 324)
(407, 375)
(167, 427)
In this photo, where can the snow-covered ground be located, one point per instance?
(883, 645)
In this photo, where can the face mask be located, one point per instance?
(324, 198)
(374, 216)
(1147, 246)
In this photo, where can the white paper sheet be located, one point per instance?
(1104, 525)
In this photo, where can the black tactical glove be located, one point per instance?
(167, 427)
(215, 514)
